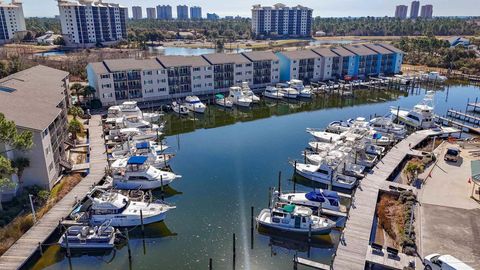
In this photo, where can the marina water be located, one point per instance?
(228, 160)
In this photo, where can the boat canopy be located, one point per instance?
(141, 145)
(377, 136)
(219, 96)
(330, 194)
(137, 160)
(315, 197)
(289, 208)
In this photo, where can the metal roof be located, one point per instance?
(391, 48)
(342, 52)
(225, 58)
(325, 52)
(377, 48)
(360, 50)
(179, 61)
(261, 56)
(300, 54)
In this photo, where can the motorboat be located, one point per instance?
(304, 92)
(136, 173)
(101, 206)
(179, 108)
(433, 76)
(319, 198)
(289, 92)
(338, 126)
(380, 139)
(324, 136)
(294, 219)
(134, 122)
(249, 93)
(272, 92)
(421, 116)
(223, 101)
(123, 149)
(154, 158)
(385, 125)
(130, 108)
(238, 97)
(325, 174)
(194, 104)
(402, 79)
(89, 237)
(319, 147)
(135, 134)
(373, 149)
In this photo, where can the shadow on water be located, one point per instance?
(217, 116)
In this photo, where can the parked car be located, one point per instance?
(444, 262)
(452, 154)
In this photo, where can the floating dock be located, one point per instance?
(353, 250)
(19, 253)
(306, 262)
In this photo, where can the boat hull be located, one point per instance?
(126, 221)
(143, 185)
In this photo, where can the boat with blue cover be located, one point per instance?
(319, 198)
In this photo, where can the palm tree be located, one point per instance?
(75, 127)
(88, 91)
(75, 111)
(76, 88)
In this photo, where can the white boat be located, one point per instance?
(121, 150)
(374, 149)
(294, 219)
(249, 93)
(385, 125)
(319, 147)
(324, 136)
(154, 158)
(380, 139)
(433, 76)
(130, 108)
(194, 104)
(421, 116)
(135, 173)
(319, 198)
(324, 174)
(118, 209)
(132, 122)
(338, 126)
(238, 97)
(289, 92)
(304, 92)
(339, 156)
(223, 101)
(134, 134)
(88, 237)
(272, 92)
(179, 108)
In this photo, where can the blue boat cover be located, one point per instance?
(330, 194)
(136, 160)
(141, 145)
(315, 197)
(377, 136)
(320, 195)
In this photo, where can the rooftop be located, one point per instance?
(360, 50)
(30, 97)
(130, 64)
(260, 56)
(342, 51)
(325, 52)
(98, 3)
(179, 61)
(225, 58)
(391, 48)
(299, 54)
(378, 48)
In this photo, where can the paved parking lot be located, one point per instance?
(450, 219)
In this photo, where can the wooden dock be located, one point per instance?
(355, 241)
(453, 123)
(27, 245)
(306, 262)
(382, 258)
(472, 119)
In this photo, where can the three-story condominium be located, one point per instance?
(281, 21)
(90, 22)
(36, 100)
(12, 20)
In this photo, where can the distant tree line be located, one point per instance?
(434, 52)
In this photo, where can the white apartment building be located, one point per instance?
(281, 21)
(327, 60)
(137, 13)
(43, 111)
(12, 20)
(170, 77)
(89, 22)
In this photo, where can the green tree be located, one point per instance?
(88, 91)
(75, 127)
(21, 163)
(75, 111)
(60, 41)
(76, 88)
(6, 170)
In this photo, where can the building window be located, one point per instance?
(105, 76)
(239, 65)
(196, 69)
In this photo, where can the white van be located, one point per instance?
(444, 262)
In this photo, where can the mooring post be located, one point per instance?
(67, 246)
(40, 248)
(210, 264)
(161, 187)
(234, 251)
(280, 182)
(141, 222)
(305, 156)
(251, 227)
(128, 245)
(269, 197)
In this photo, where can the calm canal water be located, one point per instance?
(189, 51)
(228, 160)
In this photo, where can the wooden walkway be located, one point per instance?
(27, 245)
(453, 123)
(464, 117)
(309, 263)
(354, 245)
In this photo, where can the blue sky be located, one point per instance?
(324, 8)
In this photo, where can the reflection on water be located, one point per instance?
(186, 51)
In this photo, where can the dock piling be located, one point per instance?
(128, 245)
(280, 182)
(141, 221)
(234, 251)
(210, 264)
(251, 227)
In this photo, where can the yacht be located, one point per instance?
(135, 134)
(289, 92)
(179, 108)
(249, 93)
(338, 126)
(294, 219)
(134, 122)
(323, 136)
(123, 149)
(319, 198)
(421, 116)
(157, 160)
(272, 92)
(305, 92)
(223, 101)
(341, 157)
(89, 237)
(101, 206)
(324, 173)
(373, 149)
(385, 125)
(380, 139)
(238, 97)
(130, 108)
(319, 147)
(136, 173)
(194, 104)
(433, 76)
